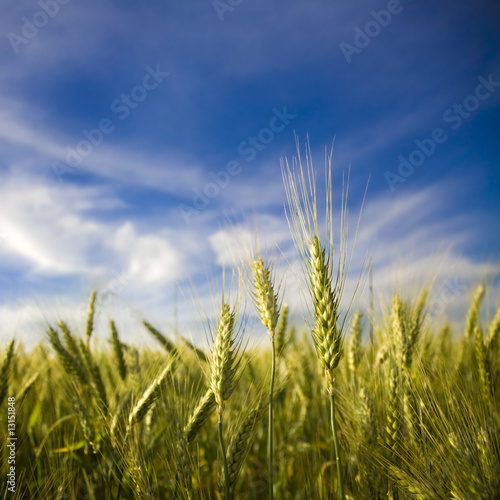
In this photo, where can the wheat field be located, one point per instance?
(340, 406)
(418, 414)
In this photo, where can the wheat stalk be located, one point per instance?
(393, 418)
(223, 368)
(267, 302)
(326, 287)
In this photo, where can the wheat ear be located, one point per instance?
(151, 394)
(167, 344)
(223, 362)
(493, 336)
(5, 370)
(89, 325)
(72, 365)
(393, 418)
(118, 351)
(281, 332)
(71, 343)
(95, 373)
(473, 313)
(196, 350)
(223, 370)
(239, 446)
(326, 291)
(354, 344)
(482, 363)
(200, 415)
(267, 303)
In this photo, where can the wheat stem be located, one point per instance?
(270, 428)
(268, 306)
(224, 458)
(337, 446)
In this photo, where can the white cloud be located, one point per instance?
(150, 259)
(56, 230)
(47, 225)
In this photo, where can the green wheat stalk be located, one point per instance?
(223, 368)
(326, 286)
(266, 300)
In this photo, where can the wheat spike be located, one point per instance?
(240, 443)
(167, 344)
(399, 332)
(266, 299)
(89, 325)
(327, 337)
(5, 370)
(482, 363)
(95, 373)
(416, 325)
(493, 336)
(72, 365)
(197, 351)
(354, 342)
(183, 475)
(200, 415)
(28, 385)
(118, 351)
(85, 422)
(149, 397)
(393, 419)
(473, 313)
(223, 364)
(281, 339)
(71, 343)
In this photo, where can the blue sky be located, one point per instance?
(130, 132)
